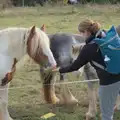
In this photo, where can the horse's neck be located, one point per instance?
(12, 42)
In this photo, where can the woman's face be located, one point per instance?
(85, 34)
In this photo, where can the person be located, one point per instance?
(109, 83)
(72, 1)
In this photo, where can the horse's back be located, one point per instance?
(61, 46)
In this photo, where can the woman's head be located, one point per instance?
(89, 27)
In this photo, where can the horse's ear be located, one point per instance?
(43, 28)
(32, 31)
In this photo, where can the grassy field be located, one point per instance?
(27, 103)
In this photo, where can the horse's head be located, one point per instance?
(38, 47)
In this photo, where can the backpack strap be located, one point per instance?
(109, 40)
(100, 34)
(98, 65)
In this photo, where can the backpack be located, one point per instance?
(109, 46)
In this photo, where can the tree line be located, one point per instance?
(42, 2)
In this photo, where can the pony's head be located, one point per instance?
(38, 47)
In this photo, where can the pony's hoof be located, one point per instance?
(72, 101)
(117, 108)
(89, 116)
(68, 101)
(10, 118)
(55, 101)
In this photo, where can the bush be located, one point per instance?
(106, 1)
(28, 2)
(41, 2)
(100, 1)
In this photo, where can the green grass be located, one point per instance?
(27, 103)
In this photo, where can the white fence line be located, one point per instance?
(74, 82)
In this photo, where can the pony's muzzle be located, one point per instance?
(51, 65)
(49, 69)
(51, 61)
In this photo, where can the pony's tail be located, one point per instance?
(48, 89)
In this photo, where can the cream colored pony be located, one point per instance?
(14, 44)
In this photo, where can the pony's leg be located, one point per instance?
(10, 118)
(117, 106)
(48, 87)
(1, 115)
(92, 110)
(89, 73)
(4, 103)
(66, 96)
(55, 99)
(78, 73)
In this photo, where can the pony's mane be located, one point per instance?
(41, 42)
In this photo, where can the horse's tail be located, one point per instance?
(48, 88)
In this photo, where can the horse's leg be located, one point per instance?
(117, 106)
(0, 114)
(66, 96)
(4, 114)
(55, 99)
(89, 73)
(48, 87)
(92, 101)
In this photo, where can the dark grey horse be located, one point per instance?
(62, 48)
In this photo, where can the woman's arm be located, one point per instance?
(83, 58)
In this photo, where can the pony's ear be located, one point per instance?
(32, 31)
(43, 28)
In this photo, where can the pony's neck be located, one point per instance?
(14, 40)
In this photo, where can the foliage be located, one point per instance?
(42, 2)
(28, 2)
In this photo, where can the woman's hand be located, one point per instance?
(56, 70)
(51, 70)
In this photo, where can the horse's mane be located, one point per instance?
(18, 35)
(41, 42)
